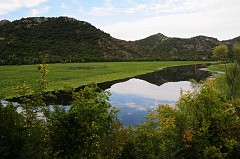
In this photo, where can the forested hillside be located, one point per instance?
(62, 39)
(195, 48)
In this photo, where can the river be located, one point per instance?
(135, 96)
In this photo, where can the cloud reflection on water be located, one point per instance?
(135, 97)
(169, 91)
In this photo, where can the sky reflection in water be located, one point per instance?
(135, 97)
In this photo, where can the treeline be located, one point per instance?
(14, 60)
(204, 124)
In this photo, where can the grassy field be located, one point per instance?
(217, 67)
(77, 74)
(221, 77)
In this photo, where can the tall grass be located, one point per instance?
(77, 74)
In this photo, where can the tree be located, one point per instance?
(232, 70)
(77, 132)
(236, 50)
(211, 124)
(12, 129)
(220, 52)
(35, 127)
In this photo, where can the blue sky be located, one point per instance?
(137, 19)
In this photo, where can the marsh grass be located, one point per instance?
(221, 78)
(77, 74)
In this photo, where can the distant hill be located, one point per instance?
(195, 48)
(62, 39)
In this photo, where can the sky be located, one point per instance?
(138, 19)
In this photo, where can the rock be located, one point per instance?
(3, 22)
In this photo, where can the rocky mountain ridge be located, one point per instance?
(195, 48)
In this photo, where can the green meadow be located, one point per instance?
(220, 78)
(77, 74)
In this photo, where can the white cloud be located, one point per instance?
(183, 6)
(141, 108)
(7, 6)
(137, 107)
(221, 23)
(174, 18)
(39, 11)
(158, 8)
(147, 90)
(133, 20)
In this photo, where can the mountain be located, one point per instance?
(64, 39)
(195, 48)
(61, 39)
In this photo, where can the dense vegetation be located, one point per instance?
(204, 124)
(65, 40)
(62, 39)
(229, 82)
(195, 48)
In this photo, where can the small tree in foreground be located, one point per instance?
(233, 73)
(77, 133)
(212, 123)
(22, 133)
(232, 70)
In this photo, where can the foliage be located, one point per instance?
(112, 145)
(213, 123)
(220, 52)
(38, 40)
(24, 125)
(11, 134)
(61, 40)
(158, 137)
(77, 132)
(236, 50)
(195, 48)
(203, 125)
(43, 133)
(233, 79)
(232, 71)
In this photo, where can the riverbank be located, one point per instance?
(78, 74)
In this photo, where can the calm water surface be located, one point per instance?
(136, 96)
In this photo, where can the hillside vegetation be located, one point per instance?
(62, 39)
(195, 48)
